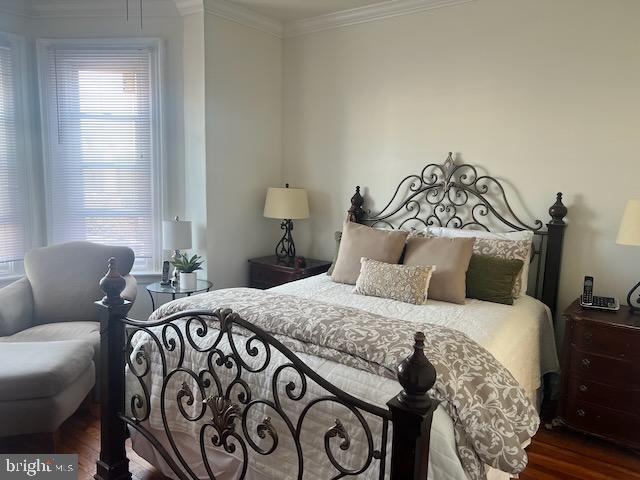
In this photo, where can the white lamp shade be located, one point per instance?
(176, 235)
(286, 203)
(629, 233)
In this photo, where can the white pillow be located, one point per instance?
(525, 236)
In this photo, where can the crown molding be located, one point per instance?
(84, 9)
(225, 9)
(188, 7)
(368, 13)
(244, 16)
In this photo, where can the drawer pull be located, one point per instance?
(581, 412)
(583, 388)
(588, 338)
(586, 362)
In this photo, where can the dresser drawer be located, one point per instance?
(612, 424)
(267, 276)
(597, 338)
(624, 399)
(604, 369)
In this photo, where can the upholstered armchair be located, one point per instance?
(55, 300)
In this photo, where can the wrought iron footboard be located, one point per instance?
(213, 396)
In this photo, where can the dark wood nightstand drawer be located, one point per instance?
(269, 277)
(610, 370)
(605, 422)
(263, 285)
(597, 338)
(268, 272)
(626, 399)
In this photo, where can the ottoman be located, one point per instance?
(42, 384)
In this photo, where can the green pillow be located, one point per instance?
(492, 278)
(338, 236)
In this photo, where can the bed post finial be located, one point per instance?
(356, 212)
(412, 412)
(112, 284)
(558, 211)
(416, 375)
(112, 309)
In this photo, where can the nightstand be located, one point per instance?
(158, 288)
(601, 374)
(267, 272)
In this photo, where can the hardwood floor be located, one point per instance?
(80, 434)
(562, 454)
(553, 455)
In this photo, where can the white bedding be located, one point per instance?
(519, 336)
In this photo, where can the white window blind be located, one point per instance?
(12, 205)
(102, 162)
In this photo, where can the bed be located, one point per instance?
(340, 407)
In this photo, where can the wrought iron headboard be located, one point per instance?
(457, 196)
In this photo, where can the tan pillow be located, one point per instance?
(361, 241)
(405, 283)
(451, 257)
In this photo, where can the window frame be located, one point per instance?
(158, 166)
(24, 151)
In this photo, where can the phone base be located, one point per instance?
(607, 304)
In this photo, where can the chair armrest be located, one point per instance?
(131, 288)
(16, 307)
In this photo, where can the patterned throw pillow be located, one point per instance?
(405, 283)
(509, 250)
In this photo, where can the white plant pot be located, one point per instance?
(188, 281)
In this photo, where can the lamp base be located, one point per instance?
(175, 276)
(634, 307)
(286, 249)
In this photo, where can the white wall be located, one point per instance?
(243, 71)
(543, 94)
(11, 20)
(194, 131)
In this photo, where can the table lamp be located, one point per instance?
(176, 236)
(287, 204)
(629, 234)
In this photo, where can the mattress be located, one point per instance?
(519, 336)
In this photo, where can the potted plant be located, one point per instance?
(188, 268)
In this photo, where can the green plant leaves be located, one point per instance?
(185, 264)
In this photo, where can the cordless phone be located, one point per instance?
(587, 292)
(589, 300)
(165, 274)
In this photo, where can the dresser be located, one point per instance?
(601, 374)
(267, 272)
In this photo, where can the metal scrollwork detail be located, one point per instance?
(217, 397)
(223, 414)
(266, 428)
(339, 431)
(450, 195)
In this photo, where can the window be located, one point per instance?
(102, 160)
(13, 219)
